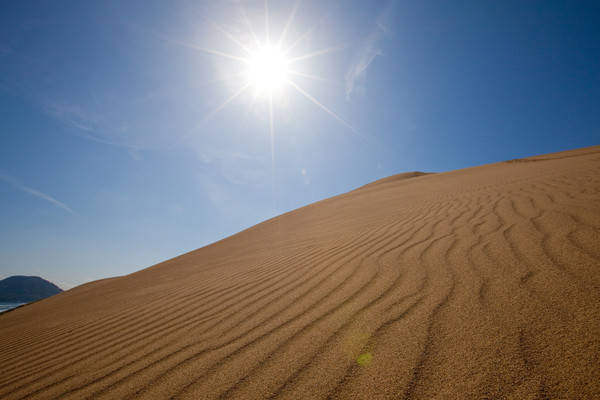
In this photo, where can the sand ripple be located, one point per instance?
(481, 283)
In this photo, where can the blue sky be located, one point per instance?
(113, 157)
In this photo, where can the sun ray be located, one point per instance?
(317, 53)
(227, 101)
(222, 79)
(231, 37)
(271, 130)
(327, 110)
(209, 51)
(298, 40)
(249, 25)
(267, 29)
(288, 23)
(303, 36)
(272, 139)
(212, 113)
(313, 77)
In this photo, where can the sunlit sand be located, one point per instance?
(470, 284)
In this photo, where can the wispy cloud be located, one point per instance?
(87, 125)
(369, 49)
(34, 192)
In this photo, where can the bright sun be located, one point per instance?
(267, 69)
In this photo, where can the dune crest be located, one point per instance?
(394, 179)
(472, 284)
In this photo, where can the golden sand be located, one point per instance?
(480, 283)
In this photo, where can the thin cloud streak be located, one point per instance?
(34, 192)
(86, 125)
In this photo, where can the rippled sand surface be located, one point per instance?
(482, 283)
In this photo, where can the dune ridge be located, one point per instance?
(479, 283)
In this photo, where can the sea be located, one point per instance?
(9, 306)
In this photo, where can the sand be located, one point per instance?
(481, 283)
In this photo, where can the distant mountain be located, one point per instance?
(26, 289)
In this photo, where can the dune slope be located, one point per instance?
(472, 284)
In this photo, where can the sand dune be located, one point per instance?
(480, 283)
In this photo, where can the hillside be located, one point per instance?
(24, 289)
(471, 284)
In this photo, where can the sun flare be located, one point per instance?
(268, 66)
(267, 69)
